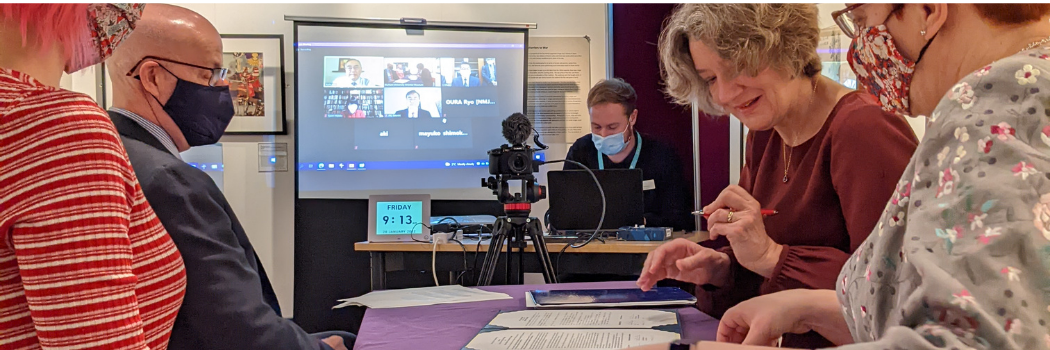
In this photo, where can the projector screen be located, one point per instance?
(380, 110)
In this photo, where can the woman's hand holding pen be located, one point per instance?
(738, 216)
(686, 261)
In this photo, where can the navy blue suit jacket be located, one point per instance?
(422, 113)
(471, 82)
(229, 302)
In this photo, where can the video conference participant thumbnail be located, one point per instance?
(405, 72)
(353, 110)
(413, 103)
(353, 103)
(353, 72)
(466, 72)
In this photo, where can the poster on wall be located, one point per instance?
(559, 79)
(255, 71)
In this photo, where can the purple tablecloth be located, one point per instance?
(451, 326)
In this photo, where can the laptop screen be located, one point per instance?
(575, 202)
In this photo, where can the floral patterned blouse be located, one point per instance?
(961, 256)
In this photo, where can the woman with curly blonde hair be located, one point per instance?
(960, 258)
(824, 156)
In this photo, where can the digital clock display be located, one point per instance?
(399, 218)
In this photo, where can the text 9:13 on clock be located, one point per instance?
(400, 219)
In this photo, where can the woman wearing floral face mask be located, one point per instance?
(84, 262)
(961, 256)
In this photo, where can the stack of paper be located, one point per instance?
(384, 299)
(577, 330)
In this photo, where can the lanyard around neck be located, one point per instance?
(637, 152)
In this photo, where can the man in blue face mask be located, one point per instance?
(170, 94)
(615, 144)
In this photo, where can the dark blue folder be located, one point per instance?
(596, 298)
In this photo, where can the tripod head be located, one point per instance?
(516, 204)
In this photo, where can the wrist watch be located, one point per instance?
(680, 345)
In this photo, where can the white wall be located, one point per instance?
(264, 202)
(825, 13)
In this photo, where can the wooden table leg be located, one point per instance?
(378, 270)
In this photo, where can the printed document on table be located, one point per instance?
(568, 339)
(421, 296)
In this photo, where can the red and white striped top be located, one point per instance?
(84, 261)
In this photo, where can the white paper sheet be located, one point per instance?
(598, 339)
(562, 319)
(421, 296)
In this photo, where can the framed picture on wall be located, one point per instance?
(256, 75)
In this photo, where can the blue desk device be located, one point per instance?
(397, 218)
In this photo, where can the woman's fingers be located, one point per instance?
(659, 264)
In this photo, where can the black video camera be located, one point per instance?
(514, 161)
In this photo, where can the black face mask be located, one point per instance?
(201, 112)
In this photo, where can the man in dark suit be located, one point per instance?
(167, 99)
(488, 72)
(464, 79)
(413, 110)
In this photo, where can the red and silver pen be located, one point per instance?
(765, 212)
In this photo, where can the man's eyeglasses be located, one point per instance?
(217, 74)
(844, 18)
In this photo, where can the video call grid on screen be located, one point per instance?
(379, 111)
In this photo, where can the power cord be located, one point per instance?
(433, 262)
(433, 254)
(412, 232)
(474, 268)
(464, 259)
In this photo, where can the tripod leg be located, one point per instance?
(491, 259)
(521, 265)
(546, 255)
(535, 231)
(499, 234)
(510, 253)
(497, 250)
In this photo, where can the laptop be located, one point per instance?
(575, 204)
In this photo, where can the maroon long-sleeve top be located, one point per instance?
(838, 184)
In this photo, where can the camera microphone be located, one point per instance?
(516, 129)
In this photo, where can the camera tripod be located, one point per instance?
(513, 229)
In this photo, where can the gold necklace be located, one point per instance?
(786, 150)
(787, 158)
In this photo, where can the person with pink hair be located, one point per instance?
(85, 263)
